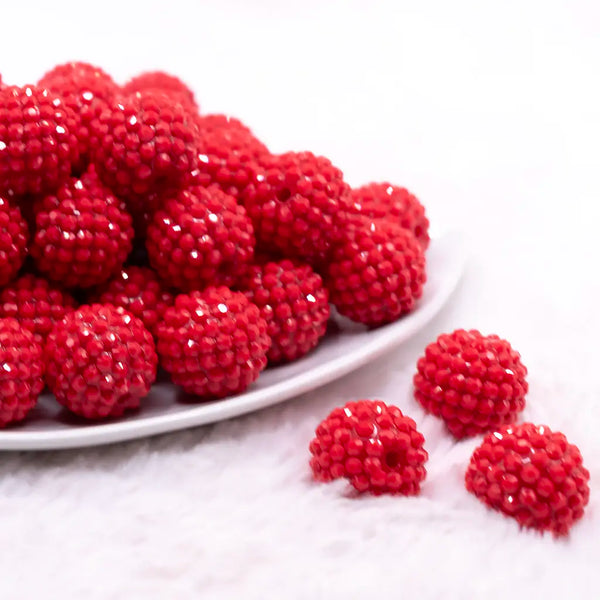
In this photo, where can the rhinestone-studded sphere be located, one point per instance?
(21, 371)
(87, 90)
(393, 203)
(14, 234)
(138, 290)
(473, 382)
(83, 234)
(227, 154)
(36, 303)
(293, 200)
(100, 361)
(200, 237)
(295, 304)
(532, 474)
(145, 142)
(373, 445)
(376, 274)
(163, 82)
(213, 343)
(38, 145)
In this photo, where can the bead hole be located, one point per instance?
(283, 195)
(392, 459)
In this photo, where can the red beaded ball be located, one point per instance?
(87, 90)
(14, 234)
(21, 371)
(83, 233)
(200, 237)
(100, 361)
(393, 203)
(373, 445)
(36, 303)
(293, 200)
(138, 290)
(227, 154)
(376, 273)
(294, 303)
(213, 343)
(473, 382)
(163, 82)
(145, 142)
(38, 145)
(532, 474)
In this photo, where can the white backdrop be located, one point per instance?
(489, 112)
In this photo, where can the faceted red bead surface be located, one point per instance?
(36, 303)
(138, 290)
(532, 474)
(200, 237)
(21, 371)
(38, 145)
(394, 204)
(227, 154)
(473, 382)
(377, 448)
(146, 142)
(83, 234)
(213, 343)
(165, 83)
(375, 273)
(100, 361)
(14, 234)
(293, 301)
(294, 201)
(87, 90)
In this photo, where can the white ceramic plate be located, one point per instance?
(51, 427)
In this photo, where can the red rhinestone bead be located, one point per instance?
(474, 382)
(378, 449)
(213, 343)
(294, 303)
(376, 272)
(293, 200)
(101, 361)
(394, 204)
(38, 145)
(549, 496)
(83, 233)
(200, 237)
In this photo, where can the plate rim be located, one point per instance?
(252, 400)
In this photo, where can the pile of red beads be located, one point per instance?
(138, 233)
(476, 384)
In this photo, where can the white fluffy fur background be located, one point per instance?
(489, 112)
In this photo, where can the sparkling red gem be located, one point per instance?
(293, 301)
(375, 273)
(83, 233)
(375, 446)
(146, 142)
(294, 201)
(532, 474)
(38, 145)
(213, 343)
(100, 361)
(473, 382)
(394, 204)
(200, 237)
